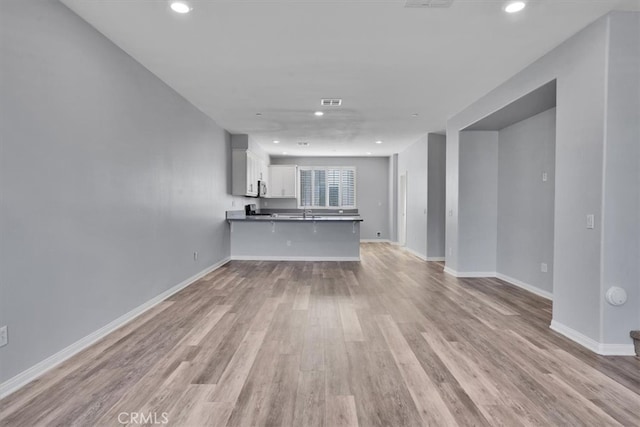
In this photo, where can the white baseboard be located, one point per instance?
(13, 384)
(435, 259)
(450, 271)
(591, 344)
(527, 287)
(469, 274)
(375, 241)
(411, 251)
(617, 350)
(291, 258)
(510, 280)
(475, 274)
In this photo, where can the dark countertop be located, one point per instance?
(298, 218)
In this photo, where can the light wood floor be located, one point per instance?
(390, 341)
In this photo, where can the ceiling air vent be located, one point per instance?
(331, 102)
(303, 144)
(428, 3)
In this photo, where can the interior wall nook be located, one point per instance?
(596, 156)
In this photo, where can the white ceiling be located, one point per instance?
(235, 58)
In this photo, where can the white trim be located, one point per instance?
(291, 258)
(450, 271)
(411, 251)
(591, 344)
(475, 274)
(603, 178)
(375, 241)
(13, 384)
(527, 287)
(435, 258)
(617, 350)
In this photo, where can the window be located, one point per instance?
(327, 187)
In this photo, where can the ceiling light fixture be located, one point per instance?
(378, 142)
(276, 142)
(180, 7)
(514, 6)
(319, 113)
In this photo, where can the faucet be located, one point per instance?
(307, 211)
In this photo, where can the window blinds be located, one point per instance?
(327, 187)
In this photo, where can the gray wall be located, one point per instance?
(478, 201)
(525, 202)
(436, 195)
(109, 181)
(413, 162)
(424, 164)
(393, 198)
(372, 189)
(621, 216)
(580, 67)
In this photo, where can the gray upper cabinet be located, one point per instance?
(282, 181)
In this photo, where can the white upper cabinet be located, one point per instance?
(282, 181)
(245, 170)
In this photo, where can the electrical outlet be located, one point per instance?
(195, 256)
(543, 267)
(545, 177)
(4, 336)
(591, 222)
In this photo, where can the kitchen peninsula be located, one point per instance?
(295, 236)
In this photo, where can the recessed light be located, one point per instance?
(378, 142)
(180, 7)
(319, 113)
(515, 6)
(276, 142)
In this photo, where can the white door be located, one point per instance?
(402, 214)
